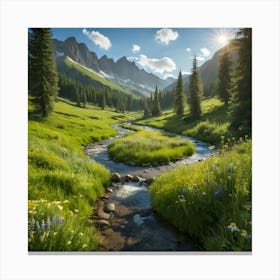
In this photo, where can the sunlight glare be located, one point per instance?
(223, 39)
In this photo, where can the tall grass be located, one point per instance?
(210, 200)
(63, 183)
(149, 147)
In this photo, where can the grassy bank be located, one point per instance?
(63, 183)
(149, 147)
(213, 124)
(210, 200)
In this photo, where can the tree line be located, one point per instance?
(45, 83)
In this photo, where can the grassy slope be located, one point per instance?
(96, 77)
(213, 124)
(63, 181)
(150, 147)
(210, 200)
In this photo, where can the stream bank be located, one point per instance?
(124, 215)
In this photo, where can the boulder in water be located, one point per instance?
(128, 177)
(116, 177)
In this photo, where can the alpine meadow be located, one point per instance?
(139, 139)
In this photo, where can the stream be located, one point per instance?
(132, 225)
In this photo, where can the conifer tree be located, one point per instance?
(42, 73)
(147, 111)
(156, 105)
(241, 115)
(196, 92)
(180, 98)
(224, 77)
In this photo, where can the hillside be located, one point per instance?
(209, 69)
(88, 76)
(122, 71)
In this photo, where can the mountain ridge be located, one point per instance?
(121, 71)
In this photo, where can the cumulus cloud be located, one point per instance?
(98, 39)
(160, 66)
(186, 72)
(188, 49)
(165, 35)
(205, 52)
(200, 58)
(135, 48)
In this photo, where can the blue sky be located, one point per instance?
(161, 51)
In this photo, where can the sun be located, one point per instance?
(223, 39)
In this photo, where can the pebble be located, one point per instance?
(110, 190)
(111, 206)
(101, 222)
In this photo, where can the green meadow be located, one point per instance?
(210, 200)
(63, 183)
(149, 147)
(213, 124)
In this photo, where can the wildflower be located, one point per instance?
(60, 207)
(32, 224)
(81, 234)
(84, 245)
(211, 148)
(232, 226)
(38, 228)
(244, 233)
(76, 211)
(60, 221)
(204, 193)
(55, 233)
(48, 223)
(66, 201)
(230, 168)
(69, 242)
(43, 225)
(218, 192)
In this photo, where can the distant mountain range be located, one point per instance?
(122, 71)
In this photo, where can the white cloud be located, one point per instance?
(205, 52)
(186, 72)
(188, 49)
(200, 58)
(165, 35)
(160, 66)
(98, 39)
(136, 48)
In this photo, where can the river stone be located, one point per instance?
(103, 215)
(136, 179)
(101, 222)
(128, 177)
(116, 177)
(105, 196)
(111, 206)
(110, 190)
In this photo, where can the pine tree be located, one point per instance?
(196, 92)
(147, 111)
(224, 77)
(102, 101)
(241, 115)
(180, 98)
(156, 105)
(42, 73)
